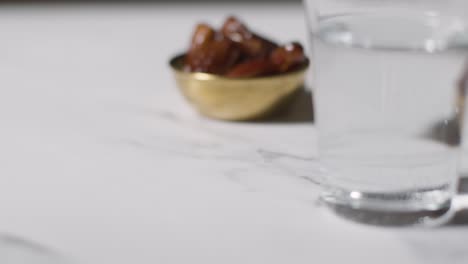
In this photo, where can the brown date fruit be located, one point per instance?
(216, 56)
(237, 52)
(251, 44)
(202, 35)
(288, 57)
(253, 68)
(235, 29)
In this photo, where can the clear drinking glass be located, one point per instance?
(388, 89)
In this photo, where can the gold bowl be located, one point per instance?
(236, 99)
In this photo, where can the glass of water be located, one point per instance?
(388, 87)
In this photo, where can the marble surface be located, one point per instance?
(102, 160)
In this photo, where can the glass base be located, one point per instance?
(427, 208)
(15, 250)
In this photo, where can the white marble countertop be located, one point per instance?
(102, 160)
